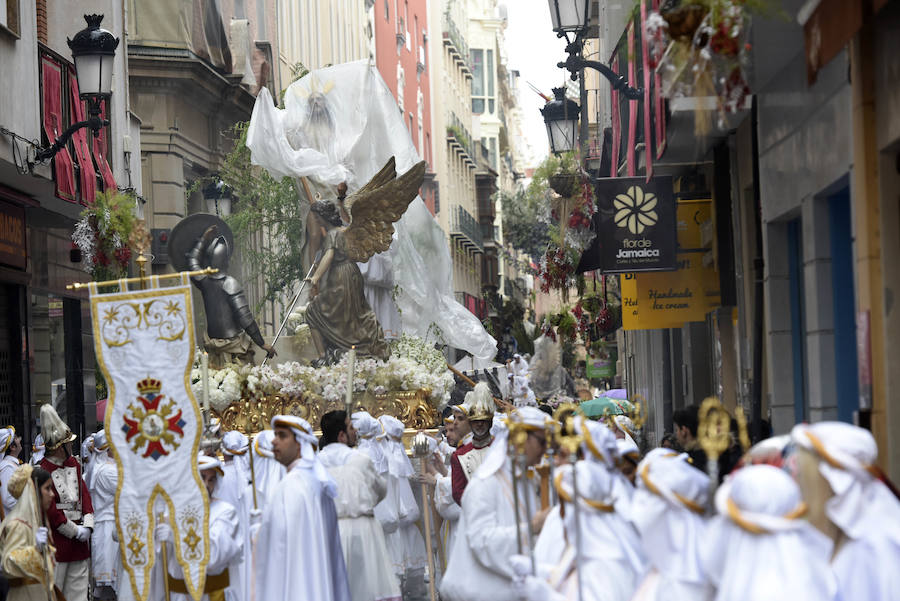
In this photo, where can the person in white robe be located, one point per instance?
(10, 447)
(835, 468)
(399, 511)
(37, 449)
(267, 471)
(668, 509)
(480, 567)
(760, 547)
(594, 558)
(102, 483)
(297, 551)
(360, 489)
(368, 429)
(225, 544)
(236, 490)
(446, 507)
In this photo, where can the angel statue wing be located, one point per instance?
(376, 206)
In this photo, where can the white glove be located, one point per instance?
(255, 517)
(521, 566)
(40, 538)
(83, 534)
(163, 533)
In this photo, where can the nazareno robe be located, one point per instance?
(360, 488)
(297, 549)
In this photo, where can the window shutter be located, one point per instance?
(87, 176)
(51, 77)
(100, 148)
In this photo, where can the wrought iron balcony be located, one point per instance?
(456, 43)
(465, 229)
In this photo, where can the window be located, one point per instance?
(412, 124)
(493, 152)
(9, 16)
(490, 80)
(387, 10)
(477, 81)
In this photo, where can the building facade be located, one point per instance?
(46, 348)
(402, 55)
(802, 180)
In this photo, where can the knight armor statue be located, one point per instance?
(231, 330)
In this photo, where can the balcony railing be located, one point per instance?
(456, 43)
(457, 133)
(465, 229)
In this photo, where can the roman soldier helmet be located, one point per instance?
(481, 403)
(54, 430)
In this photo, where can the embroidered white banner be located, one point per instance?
(144, 343)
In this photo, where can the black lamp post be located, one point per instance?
(573, 17)
(561, 118)
(94, 51)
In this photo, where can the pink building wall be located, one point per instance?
(402, 39)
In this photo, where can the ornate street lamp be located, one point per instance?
(561, 118)
(571, 15)
(94, 51)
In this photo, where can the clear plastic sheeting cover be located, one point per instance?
(341, 124)
(548, 376)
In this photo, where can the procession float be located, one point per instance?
(357, 176)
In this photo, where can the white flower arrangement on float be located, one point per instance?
(413, 365)
(225, 385)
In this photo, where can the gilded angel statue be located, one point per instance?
(338, 313)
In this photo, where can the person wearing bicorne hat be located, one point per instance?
(102, 482)
(297, 544)
(10, 447)
(225, 543)
(850, 502)
(467, 458)
(480, 567)
(72, 513)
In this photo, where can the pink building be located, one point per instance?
(402, 47)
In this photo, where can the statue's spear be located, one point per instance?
(312, 269)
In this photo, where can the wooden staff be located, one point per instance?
(420, 449)
(252, 473)
(544, 472)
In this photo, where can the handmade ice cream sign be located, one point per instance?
(145, 348)
(635, 225)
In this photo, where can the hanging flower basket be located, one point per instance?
(563, 183)
(684, 20)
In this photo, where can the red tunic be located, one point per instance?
(458, 480)
(67, 549)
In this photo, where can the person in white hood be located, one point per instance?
(835, 468)
(668, 510)
(760, 548)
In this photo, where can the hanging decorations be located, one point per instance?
(571, 202)
(701, 49)
(103, 233)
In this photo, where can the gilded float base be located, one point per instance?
(249, 416)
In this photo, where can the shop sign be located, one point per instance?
(635, 224)
(670, 299)
(604, 364)
(12, 236)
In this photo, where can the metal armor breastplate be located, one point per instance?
(221, 322)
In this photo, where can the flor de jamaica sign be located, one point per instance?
(635, 224)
